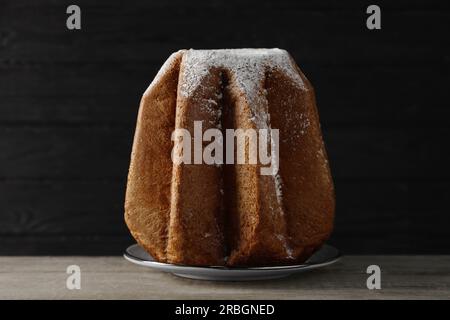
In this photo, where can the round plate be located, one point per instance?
(325, 256)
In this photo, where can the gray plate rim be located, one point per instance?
(311, 263)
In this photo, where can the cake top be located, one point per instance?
(246, 66)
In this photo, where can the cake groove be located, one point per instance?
(231, 214)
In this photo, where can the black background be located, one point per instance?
(69, 100)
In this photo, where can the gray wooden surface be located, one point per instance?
(406, 277)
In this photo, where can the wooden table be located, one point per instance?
(406, 277)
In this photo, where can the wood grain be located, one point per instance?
(115, 31)
(88, 152)
(402, 277)
(62, 217)
(68, 105)
(375, 96)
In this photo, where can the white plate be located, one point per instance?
(325, 256)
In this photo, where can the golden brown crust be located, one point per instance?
(308, 194)
(147, 204)
(198, 214)
(195, 233)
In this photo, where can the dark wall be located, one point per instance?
(69, 99)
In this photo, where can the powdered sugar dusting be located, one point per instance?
(286, 246)
(246, 66)
(247, 70)
(278, 190)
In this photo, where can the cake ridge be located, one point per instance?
(283, 217)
